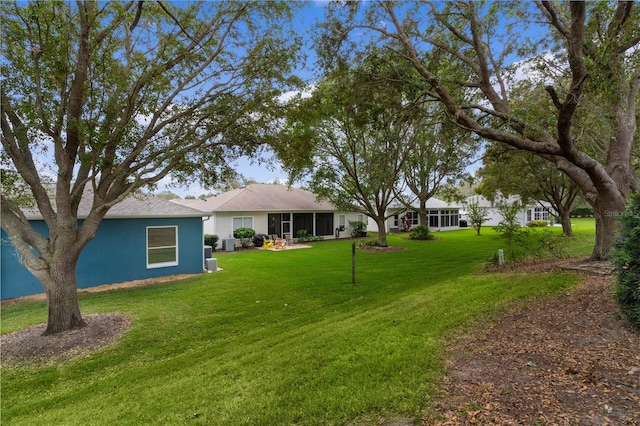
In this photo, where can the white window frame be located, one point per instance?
(445, 219)
(435, 214)
(413, 217)
(540, 213)
(454, 218)
(243, 220)
(342, 221)
(162, 264)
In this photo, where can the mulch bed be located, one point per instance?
(567, 360)
(29, 347)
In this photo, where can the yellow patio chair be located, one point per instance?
(267, 243)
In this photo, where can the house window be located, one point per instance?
(413, 218)
(541, 214)
(449, 218)
(445, 222)
(408, 221)
(324, 223)
(342, 222)
(529, 215)
(162, 246)
(455, 217)
(433, 219)
(302, 222)
(242, 222)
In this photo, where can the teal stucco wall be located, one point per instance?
(116, 254)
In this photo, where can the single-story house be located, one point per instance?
(441, 216)
(539, 210)
(141, 237)
(273, 210)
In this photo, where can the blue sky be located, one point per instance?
(307, 17)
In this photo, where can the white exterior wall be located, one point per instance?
(208, 225)
(221, 223)
(496, 217)
(494, 214)
(349, 217)
(224, 222)
(390, 223)
(433, 205)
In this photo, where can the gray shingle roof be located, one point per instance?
(137, 206)
(151, 206)
(261, 197)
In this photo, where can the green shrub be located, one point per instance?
(358, 228)
(546, 244)
(245, 235)
(515, 236)
(582, 212)
(211, 240)
(303, 235)
(367, 243)
(626, 258)
(537, 223)
(421, 232)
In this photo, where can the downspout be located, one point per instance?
(203, 220)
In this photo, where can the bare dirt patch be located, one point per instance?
(566, 360)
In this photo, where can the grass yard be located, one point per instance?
(279, 337)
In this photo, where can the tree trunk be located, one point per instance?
(64, 311)
(62, 296)
(424, 219)
(607, 209)
(564, 216)
(382, 233)
(565, 220)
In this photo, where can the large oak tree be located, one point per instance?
(593, 46)
(106, 98)
(362, 131)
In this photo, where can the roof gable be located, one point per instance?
(261, 197)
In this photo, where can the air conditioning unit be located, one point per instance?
(229, 244)
(212, 264)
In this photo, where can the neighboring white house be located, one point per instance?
(273, 210)
(532, 211)
(441, 216)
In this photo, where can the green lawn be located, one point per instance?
(279, 337)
